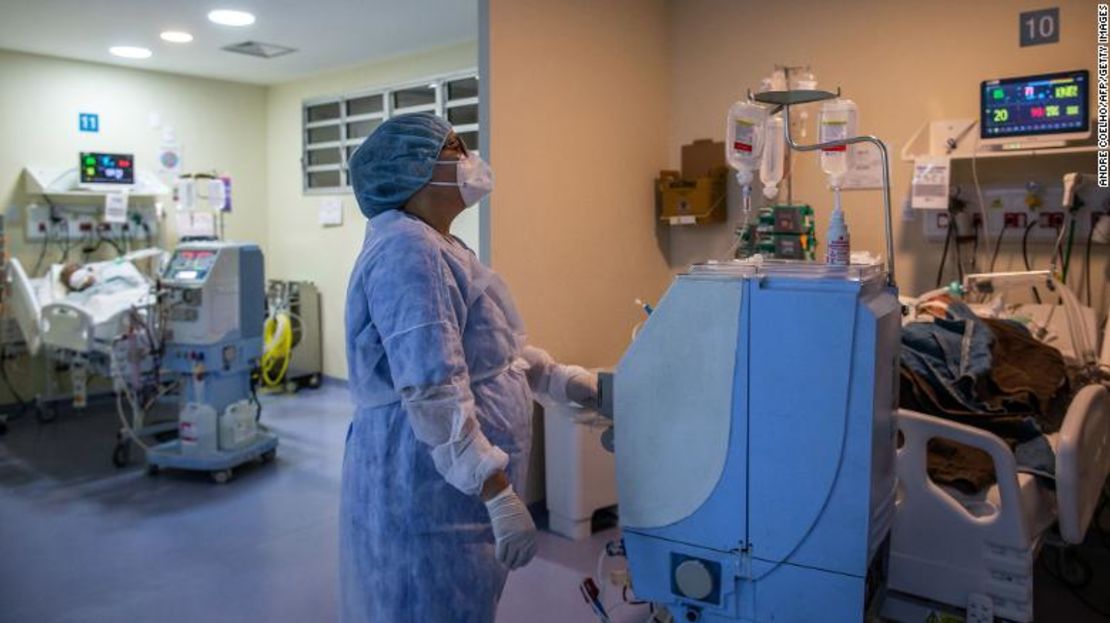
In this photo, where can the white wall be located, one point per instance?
(298, 247)
(221, 126)
(249, 132)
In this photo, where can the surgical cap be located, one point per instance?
(396, 160)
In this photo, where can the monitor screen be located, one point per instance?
(1035, 105)
(98, 168)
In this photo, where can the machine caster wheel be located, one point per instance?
(121, 454)
(314, 381)
(152, 470)
(291, 387)
(221, 476)
(268, 456)
(1074, 571)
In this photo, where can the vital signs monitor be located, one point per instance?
(1035, 111)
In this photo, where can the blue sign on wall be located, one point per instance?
(88, 122)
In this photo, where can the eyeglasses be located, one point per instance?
(457, 144)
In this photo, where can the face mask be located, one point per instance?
(473, 176)
(81, 278)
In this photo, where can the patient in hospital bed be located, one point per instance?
(988, 373)
(84, 282)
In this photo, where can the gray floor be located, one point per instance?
(83, 541)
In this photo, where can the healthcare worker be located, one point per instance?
(431, 520)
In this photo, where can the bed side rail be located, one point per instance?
(917, 429)
(1082, 460)
(67, 327)
(24, 306)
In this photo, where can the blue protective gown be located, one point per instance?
(427, 323)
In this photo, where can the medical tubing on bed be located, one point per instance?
(1084, 350)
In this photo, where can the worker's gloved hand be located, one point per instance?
(513, 529)
(560, 383)
(582, 389)
(539, 367)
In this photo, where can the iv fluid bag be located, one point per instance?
(839, 119)
(774, 153)
(746, 121)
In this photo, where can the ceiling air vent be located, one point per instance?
(259, 49)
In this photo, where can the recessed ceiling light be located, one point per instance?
(128, 51)
(176, 36)
(230, 17)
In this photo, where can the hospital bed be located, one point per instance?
(110, 330)
(85, 322)
(975, 552)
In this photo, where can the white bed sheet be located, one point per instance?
(119, 287)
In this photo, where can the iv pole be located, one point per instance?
(783, 100)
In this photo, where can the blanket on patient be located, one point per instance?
(112, 277)
(991, 374)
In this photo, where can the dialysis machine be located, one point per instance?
(215, 308)
(755, 442)
(755, 435)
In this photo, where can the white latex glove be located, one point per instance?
(513, 529)
(582, 388)
(561, 383)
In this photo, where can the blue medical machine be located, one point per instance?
(755, 435)
(215, 307)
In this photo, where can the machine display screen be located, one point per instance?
(191, 264)
(1035, 105)
(98, 168)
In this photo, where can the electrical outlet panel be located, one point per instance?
(83, 223)
(1014, 220)
(1009, 213)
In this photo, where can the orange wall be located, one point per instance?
(578, 106)
(903, 63)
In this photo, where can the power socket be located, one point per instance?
(1015, 220)
(1050, 220)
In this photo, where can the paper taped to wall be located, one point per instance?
(929, 189)
(115, 208)
(331, 211)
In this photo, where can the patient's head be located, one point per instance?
(76, 277)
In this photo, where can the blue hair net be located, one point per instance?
(396, 160)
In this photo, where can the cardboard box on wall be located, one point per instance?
(696, 196)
